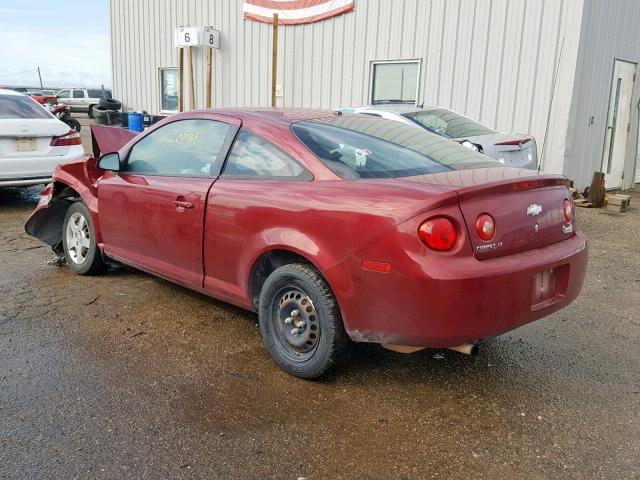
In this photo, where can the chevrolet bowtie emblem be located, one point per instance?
(534, 209)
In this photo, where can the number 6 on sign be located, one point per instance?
(187, 37)
(211, 37)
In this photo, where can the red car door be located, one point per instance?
(151, 212)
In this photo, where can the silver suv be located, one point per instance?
(82, 99)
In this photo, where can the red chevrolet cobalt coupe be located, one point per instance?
(334, 228)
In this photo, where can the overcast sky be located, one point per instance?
(68, 39)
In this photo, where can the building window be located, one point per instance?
(394, 82)
(169, 89)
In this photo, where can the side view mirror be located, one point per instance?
(109, 161)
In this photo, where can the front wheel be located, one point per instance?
(79, 241)
(300, 321)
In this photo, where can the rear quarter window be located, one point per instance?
(252, 156)
(19, 106)
(99, 94)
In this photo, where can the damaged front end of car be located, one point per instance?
(74, 181)
(45, 223)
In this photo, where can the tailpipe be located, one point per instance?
(466, 348)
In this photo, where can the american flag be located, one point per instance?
(294, 12)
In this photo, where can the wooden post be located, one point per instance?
(209, 62)
(596, 190)
(274, 60)
(192, 88)
(180, 79)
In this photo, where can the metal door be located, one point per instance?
(618, 123)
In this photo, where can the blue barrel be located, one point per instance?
(135, 122)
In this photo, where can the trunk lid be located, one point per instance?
(30, 138)
(527, 208)
(510, 149)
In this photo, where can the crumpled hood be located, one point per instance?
(109, 139)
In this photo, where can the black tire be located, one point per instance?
(90, 112)
(89, 261)
(73, 123)
(100, 114)
(110, 104)
(309, 293)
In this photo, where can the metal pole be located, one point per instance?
(39, 76)
(274, 60)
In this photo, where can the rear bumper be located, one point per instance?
(25, 171)
(25, 182)
(419, 305)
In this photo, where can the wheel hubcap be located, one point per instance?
(297, 323)
(78, 239)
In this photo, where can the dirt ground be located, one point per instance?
(127, 376)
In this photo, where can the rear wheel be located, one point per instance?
(78, 241)
(300, 321)
(90, 112)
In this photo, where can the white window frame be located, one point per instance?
(160, 70)
(372, 65)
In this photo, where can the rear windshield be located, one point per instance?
(448, 124)
(357, 146)
(19, 106)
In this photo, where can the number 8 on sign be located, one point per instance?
(212, 37)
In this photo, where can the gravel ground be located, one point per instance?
(128, 376)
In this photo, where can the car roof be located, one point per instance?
(278, 115)
(6, 91)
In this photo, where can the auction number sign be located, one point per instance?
(187, 36)
(211, 37)
(197, 37)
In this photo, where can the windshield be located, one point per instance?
(357, 146)
(448, 124)
(19, 106)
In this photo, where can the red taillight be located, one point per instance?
(567, 211)
(438, 233)
(485, 226)
(70, 138)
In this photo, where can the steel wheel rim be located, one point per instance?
(78, 238)
(296, 324)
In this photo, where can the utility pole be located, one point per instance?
(39, 76)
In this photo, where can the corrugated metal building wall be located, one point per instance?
(610, 30)
(509, 63)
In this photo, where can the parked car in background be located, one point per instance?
(332, 227)
(83, 99)
(43, 98)
(510, 149)
(32, 141)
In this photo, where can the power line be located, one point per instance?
(17, 73)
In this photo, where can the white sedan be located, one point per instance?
(511, 149)
(32, 141)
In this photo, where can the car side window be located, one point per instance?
(63, 94)
(78, 94)
(253, 156)
(186, 148)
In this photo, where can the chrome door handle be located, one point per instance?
(181, 205)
